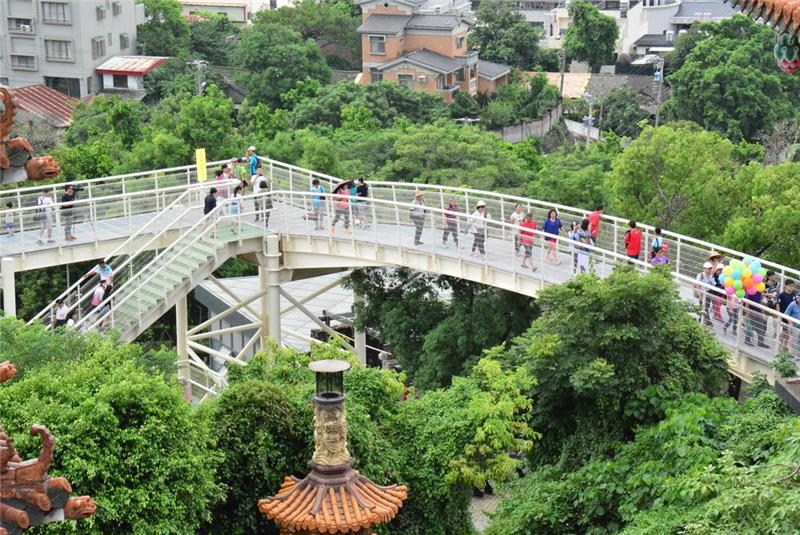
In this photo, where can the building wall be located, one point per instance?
(378, 7)
(647, 19)
(79, 29)
(488, 87)
(429, 85)
(134, 82)
(444, 44)
(394, 48)
(235, 11)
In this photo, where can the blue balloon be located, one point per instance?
(736, 274)
(755, 266)
(748, 260)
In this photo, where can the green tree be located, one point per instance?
(464, 105)
(125, 436)
(277, 59)
(622, 113)
(591, 36)
(164, 32)
(603, 367)
(89, 160)
(677, 177)
(760, 225)
(213, 39)
(727, 81)
(332, 24)
(502, 34)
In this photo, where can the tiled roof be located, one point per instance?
(782, 14)
(653, 39)
(319, 504)
(135, 65)
(427, 59)
(51, 105)
(490, 70)
(384, 24)
(695, 9)
(381, 23)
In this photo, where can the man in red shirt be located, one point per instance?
(633, 241)
(594, 223)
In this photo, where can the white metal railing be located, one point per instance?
(124, 259)
(687, 254)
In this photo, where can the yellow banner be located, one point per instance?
(200, 157)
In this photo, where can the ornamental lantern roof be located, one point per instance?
(333, 497)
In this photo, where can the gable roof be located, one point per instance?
(53, 106)
(382, 23)
(427, 59)
(130, 65)
(695, 9)
(653, 39)
(489, 70)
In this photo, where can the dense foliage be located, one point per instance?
(711, 466)
(727, 80)
(591, 36)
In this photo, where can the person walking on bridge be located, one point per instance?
(417, 214)
(44, 215)
(450, 222)
(516, 218)
(594, 223)
(478, 223)
(552, 226)
(633, 241)
(67, 213)
(528, 225)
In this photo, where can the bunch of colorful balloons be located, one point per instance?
(744, 277)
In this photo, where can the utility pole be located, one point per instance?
(562, 56)
(660, 77)
(199, 65)
(590, 99)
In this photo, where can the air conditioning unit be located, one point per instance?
(670, 36)
(422, 78)
(25, 28)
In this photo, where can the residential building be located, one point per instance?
(59, 43)
(426, 52)
(124, 75)
(237, 11)
(40, 104)
(654, 25)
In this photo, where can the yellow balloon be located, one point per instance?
(746, 274)
(729, 281)
(727, 270)
(760, 287)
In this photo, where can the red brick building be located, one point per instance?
(425, 52)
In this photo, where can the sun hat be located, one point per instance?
(480, 203)
(252, 148)
(708, 265)
(419, 193)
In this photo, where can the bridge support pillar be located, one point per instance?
(270, 283)
(360, 336)
(181, 327)
(9, 291)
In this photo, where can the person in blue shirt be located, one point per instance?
(252, 159)
(316, 203)
(793, 310)
(553, 226)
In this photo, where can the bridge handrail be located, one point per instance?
(87, 181)
(616, 220)
(187, 191)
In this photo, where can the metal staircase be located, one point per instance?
(157, 282)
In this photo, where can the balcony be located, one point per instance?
(23, 63)
(21, 26)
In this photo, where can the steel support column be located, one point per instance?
(181, 326)
(360, 335)
(9, 292)
(269, 281)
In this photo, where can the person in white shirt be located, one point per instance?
(44, 215)
(417, 214)
(516, 218)
(61, 313)
(478, 224)
(255, 183)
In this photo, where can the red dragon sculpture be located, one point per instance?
(29, 497)
(16, 154)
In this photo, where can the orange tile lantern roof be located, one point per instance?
(783, 15)
(332, 500)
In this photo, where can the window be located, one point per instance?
(101, 12)
(55, 12)
(68, 86)
(120, 81)
(20, 25)
(406, 80)
(124, 41)
(109, 39)
(460, 75)
(460, 42)
(23, 63)
(377, 45)
(58, 50)
(116, 8)
(440, 81)
(98, 47)
(375, 75)
(89, 85)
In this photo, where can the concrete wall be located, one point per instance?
(235, 12)
(79, 29)
(134, 82)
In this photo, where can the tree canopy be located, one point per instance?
(502, 34)
(727, 80)
(591, 36)
(622, 113)
(164, 31)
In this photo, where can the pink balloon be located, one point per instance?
(752, 290)
(730, 290)
(757, 278)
